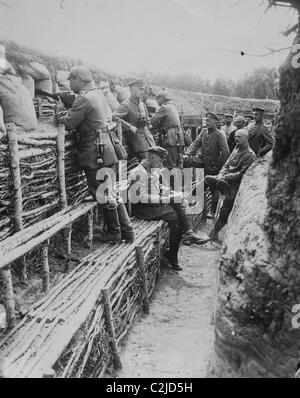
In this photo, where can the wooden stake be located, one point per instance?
(158, 242)
(68, 238)
(8, 294)
(17, 186)
(141, 263)
(90, 219)
(111, 329)
(61, 165)
(45, 266)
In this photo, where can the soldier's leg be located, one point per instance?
(176, 230)
(107, 197)
(222, 219)
(187, 225)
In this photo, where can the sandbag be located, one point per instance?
(2, 125)
(16, 102)
(112, 101)
(45, 85)
(37, 71)
(29, 84)
(123, 94)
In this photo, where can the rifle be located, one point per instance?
(66, 98)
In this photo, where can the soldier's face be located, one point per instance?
(241, 137)
(210, 123)
(258, 116)
(239, 123)
(137, 92)
(156, 161)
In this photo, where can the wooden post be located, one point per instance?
(141, 264)
(17, 186)
(158, 242)
(45, 266)
(8, 296)
(61, 165)
(68, 239)
(90, 219)
(62, 187)
(111, 329)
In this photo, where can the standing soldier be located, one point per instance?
(214, 152)
(229, 127)
(134, 112)
(88, 116)
(260, 138)
(167, 121)
(240, 123)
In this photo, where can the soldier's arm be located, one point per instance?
(245, 164)
(76, 114)
(224, 151)
(121, 112)
(268, 142)
(197, 144)
(158, 117)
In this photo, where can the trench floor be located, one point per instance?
(175, 340)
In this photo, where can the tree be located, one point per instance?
(259, 277)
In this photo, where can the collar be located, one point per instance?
(134, 101)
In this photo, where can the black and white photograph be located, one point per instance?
(149, 191)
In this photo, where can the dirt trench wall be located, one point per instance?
(253, 313)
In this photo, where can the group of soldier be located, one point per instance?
(154, 136)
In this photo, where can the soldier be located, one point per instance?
(214, 152)
(240, 123)
(229, 127)
(260, 138)
(213, 146)
(134, 112)
(167, 121)
(88, 116)
(152, 201)
(228, 180)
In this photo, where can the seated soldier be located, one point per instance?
(153, 201)
(227, 182)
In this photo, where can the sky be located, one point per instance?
(202, 37)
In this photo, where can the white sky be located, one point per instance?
(158, 35)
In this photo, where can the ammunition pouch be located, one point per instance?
(141, 122)
(118, 147)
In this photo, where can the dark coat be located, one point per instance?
(87, 115)
(132, 112)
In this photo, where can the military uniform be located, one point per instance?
(146, 195)
(228, 181)
(260, 138)
(135, 112)
(214, 151)
(167, 120)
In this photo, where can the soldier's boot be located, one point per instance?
(127, 232)
(113, 233)
(190, 236)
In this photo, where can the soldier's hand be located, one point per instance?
(133, 129)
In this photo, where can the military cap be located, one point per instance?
(157, 150)
(137, 83)
(229, 115)
(211, 115)
(258, 109)
(151, 103)
(164, 94)
(82, 72)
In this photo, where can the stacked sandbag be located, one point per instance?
(29, 84)
(40, 75)
(123, 94)
(2, 125)
(16, 102)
